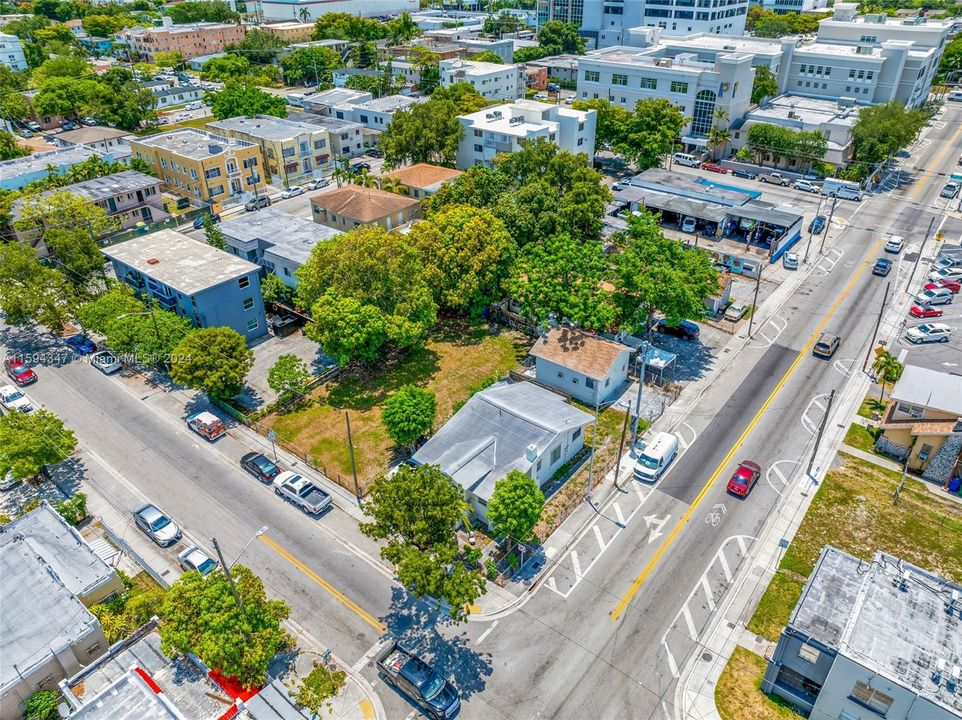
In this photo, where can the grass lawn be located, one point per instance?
(737, 694)
(861, 437)
(871, 406)
(853, 511)
(457, 361)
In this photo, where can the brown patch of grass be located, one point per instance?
(456, 361)
(738, 695)
(853, 511)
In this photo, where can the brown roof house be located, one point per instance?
(923, 422)
(423, 179)
(589, 368)
(353, 205)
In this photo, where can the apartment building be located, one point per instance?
(325, 102)
(289, 32)
(191, 39)
(311, 10)
(879, 639)
(606, 24)
(625, 75)
(172, 96)
(11, 52)
(797, 6)
(105, 139)
(17, 173)
(345, 136)
(377, 114)
(201, 166)
(501, 128)
(293, 151)
(209, 287)
(566, 11)
(353, 205)
(492, 80)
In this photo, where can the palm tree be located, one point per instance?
(391, 184)
(887, 368)
(718, 136)
(304, 14)
(365, 179)
(340, 174)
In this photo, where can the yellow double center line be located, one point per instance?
(335, 593)
(670, 538)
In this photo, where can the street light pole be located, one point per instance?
(247, 545)
(751, 318)
(230, 579)
(828, 225)
(591, 461)
(818, 210)
(878, 322)
(643, 355)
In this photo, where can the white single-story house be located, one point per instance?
(509, 426)
(585, 366)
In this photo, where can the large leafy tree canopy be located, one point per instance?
(417, 511)
(215, 360)
(883, 130)
(28, 441)
(201, 11)
(310, 65)
(650, 132)
(408, 414)
(765, 84)
(242, 97)
(30, 291)
(515, 506)
(776, 143)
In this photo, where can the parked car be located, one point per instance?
(207, 425)
(882, 267)
(374, 152)
(688, 225)
(105, 361)
(19, 371)
(948, 259)
(12, 400)
(357, 167)
(81, 344)
(744, 479)
(199, 220)
(620, 185)
(156, 525)
(317, 184)
(292, 191)
(654, 458)
(34, 125)
(953, 286)
(685, 329)
(68, 125)
(817, 225)
(714, 167)
(928, 297)
(895, 244)
(193, 559)
(302, 492)
(929, 332)
(262, 201)
(775, 178)
(260, 467)
(950, 189)
(736, 311)
(747, 174)
(826, 345)
(923, 311)
(790, 261)
(24, 133)
(946, 273)
(807, 186)
(419, 681)
(89, 121)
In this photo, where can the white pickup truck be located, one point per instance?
(301, 491)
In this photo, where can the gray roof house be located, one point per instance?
(508, 426)
(871, 639)
(278, 242)
(586, 366)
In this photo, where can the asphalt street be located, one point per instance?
(623, 609)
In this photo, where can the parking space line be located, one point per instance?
(599, 538)
(576, 564)
(686, 613)
(724, 566)
(620, 515)
(672, 665)
(487, 632)
(709, 596)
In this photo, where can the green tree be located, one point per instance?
(883, 130)
(13, 107)
(274, 290)
(10, 148)
(887, 369)
(501, 23)
(119, 100)
(71, 64)
(765, 84)
(42, 705)
(558, 38)
(289, 376)
(488, 57)
(408, 414)
(467, 254)
(319, 687)
(213, 360)
(173, 59)
(99, 313)
(479, 186)
(951, 61)
(242, 97)
(201, 11)
(151, 338)
(215, 238)
(29, 291)
(346, 328)
(259, 46)
(651, 132)
(654, 274)
(21, 451)
(612, 121)
(345, 26)
(401, 29)
(527, 54)
(417, 511)
(311, 65)
(427, 65)
(107, 26)
(515, 506)
(225, 67)
(562, 278)
(66, 96)
(201, 616)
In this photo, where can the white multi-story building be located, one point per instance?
(291, 9)
(491, 80)
(606, 23)
(11, 52)
(501, 128)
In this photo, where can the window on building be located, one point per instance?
(248, 303)
(808, 653)
(539, 465)
(318, 145)
(870, 74)
(252, 324)
(216, 190)
(581, 141)
(861, 74)
(871, 698)
(868, 38)
(592, 76)
(851, 74)
(589, 383)
(576, 434)
(703, 112)
(163, 163)
(649, 83)
(555, 455)
(478, 133)
(617, 79)
(478, 148)
(561, 375)
(193, 174)
(211, 173)
(243, 282)
(677, 86)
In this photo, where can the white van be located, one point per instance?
(193, 105)
(954, 95)
(686, 159)
(844, 189)
(656, 457)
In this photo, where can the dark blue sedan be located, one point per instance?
(199, 221)
(882, 267)
(81, 344)
(817, 225)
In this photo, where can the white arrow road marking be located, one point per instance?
(658, 523)
(721, 507)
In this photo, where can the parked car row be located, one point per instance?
(944, 281)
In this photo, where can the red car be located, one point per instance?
(744, 478)
(714, 167)
(920, 311)
(950, 285)
(19, 371)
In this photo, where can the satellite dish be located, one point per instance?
(64, 710)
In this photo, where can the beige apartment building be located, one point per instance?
(201, 166)
(191, 40)
(290, 32)
(293, 151)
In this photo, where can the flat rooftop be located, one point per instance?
(474, 67)
(648, 58)
(191, 143)
(266, 127)
(39, 161)
(839, 50)
(723, 43)
(110, 186)
(97, 133)
(178, 261)
(390, 103)
(888, 615)
(185, 28)
(328, 123)
(283, 235)
(39, 612)
(681, 183)
(812, 111)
